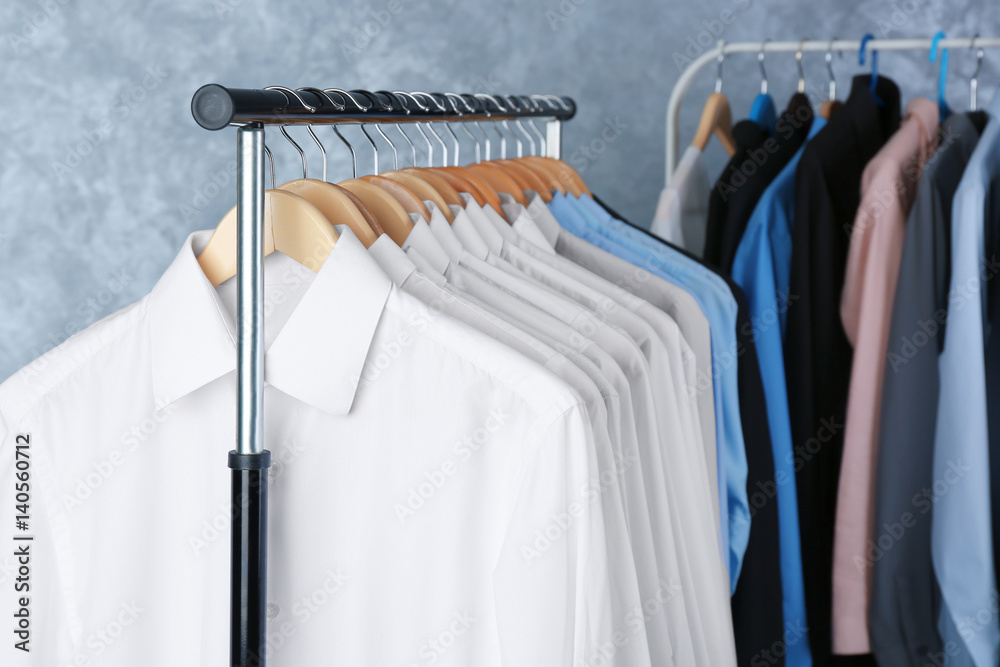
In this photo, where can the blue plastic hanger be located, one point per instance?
(763, 111)
(861, 61)
(943, 74)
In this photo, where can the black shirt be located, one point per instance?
(817, 352)
(749, 137)
(758, 621)
(737, 192)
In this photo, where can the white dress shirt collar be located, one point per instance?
(314, 357)
(467, 234)
(542, 217)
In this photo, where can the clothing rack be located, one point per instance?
(837, 45)
(215, 107)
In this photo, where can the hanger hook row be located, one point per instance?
(284, 89)
(486, 96)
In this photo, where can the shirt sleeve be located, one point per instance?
(552, 580)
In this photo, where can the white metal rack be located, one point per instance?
(838, 45)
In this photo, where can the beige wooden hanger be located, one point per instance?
(389, 213)
(422, 189)
(438, 182)
(292, 226)
(528, 178)
(331, 200)
(335, 204)
(410, 202)
(499, 180)
(716, 117)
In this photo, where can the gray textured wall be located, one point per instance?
(103, 173)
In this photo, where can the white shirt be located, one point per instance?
(698, 523)
(679, 497)
(682, 212)
(396, 537)
(599, 400)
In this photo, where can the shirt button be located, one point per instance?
(273, 610)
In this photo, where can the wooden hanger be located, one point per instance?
(389, 213)
(438, 182)
(461, 184)
(568, 171)
(410, 201)
(335, 204)
(566, 183)
(422, 190)
(292, 226)
(529, 179)
(830, 107)
(369, 216)
(716, 118)
(499, 180)
(546, 174)
(489, 193)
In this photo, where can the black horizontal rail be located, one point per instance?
(215, 107)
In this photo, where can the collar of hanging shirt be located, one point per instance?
(385, 515)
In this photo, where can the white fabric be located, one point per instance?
(697, 523)
(682, 212)
(391, 527)
(603, 407)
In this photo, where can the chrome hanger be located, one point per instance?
(798, 64)
(760, 63)
(430, 127)
(974, 82)
(829, 70)
(336, 127)
(464, 124)
(502, 109)
(486, 137)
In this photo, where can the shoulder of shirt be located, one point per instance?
(23, 390)
(537, 387)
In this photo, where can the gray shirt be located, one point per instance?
(905, 599)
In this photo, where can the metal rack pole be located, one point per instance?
(844, 45)
(249, 461)
(215, 107)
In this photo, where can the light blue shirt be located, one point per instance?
(586, 219)
(961, 534)
(761, 267)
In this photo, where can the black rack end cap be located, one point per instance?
(212, 107)
(259, 461)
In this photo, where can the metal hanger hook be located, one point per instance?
(718, 65)
(348, 96)
(284, 130)
(284, 89)
(974, 82)
(763, 72)
(798, 64)
(829, 69)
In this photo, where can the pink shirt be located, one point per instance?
(888, 189)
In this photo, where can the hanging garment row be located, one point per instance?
(864, 236)
(494, 441)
